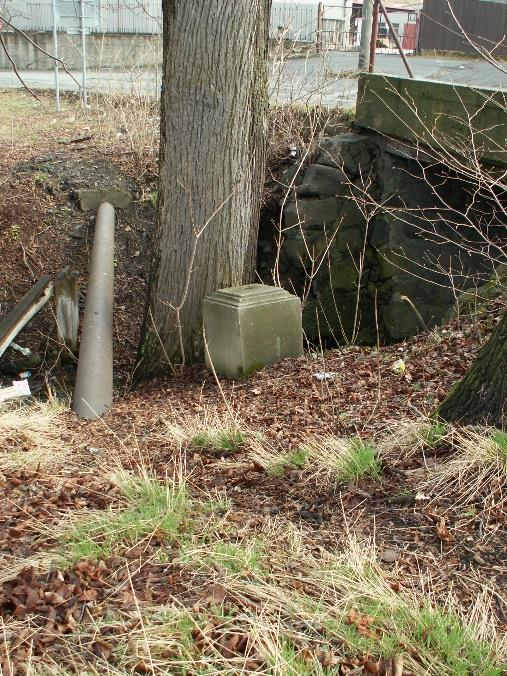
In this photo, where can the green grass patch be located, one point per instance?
(239, 559)
(297, 459)
(500, 439)
(437, 632)
(381, 624)
(435, 433)
(359, 462)
(150, 506)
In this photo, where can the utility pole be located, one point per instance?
(83, 49)
(320, 14)
(366, 25)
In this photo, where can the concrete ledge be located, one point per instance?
(436, 114)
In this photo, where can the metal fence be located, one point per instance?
(338, 26)
(295, 22)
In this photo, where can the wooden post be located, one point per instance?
(67, 308)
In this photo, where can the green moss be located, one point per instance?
(253, 368)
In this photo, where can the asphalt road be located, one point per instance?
(316, 79)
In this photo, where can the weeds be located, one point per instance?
(297, 459)
(343, 460)
(435, 433)
(208, 432)
(409, 438)
(328, 457)
(239, 559)
(130, 121)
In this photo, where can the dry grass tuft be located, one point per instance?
(331, 459)
(410, 438)
(476, 472)
(303, 612)
(31, 436)
(210, 431)
(42, 563)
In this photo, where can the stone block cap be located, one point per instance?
(248, 295)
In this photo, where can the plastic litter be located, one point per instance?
(325, 375)
(20, 388)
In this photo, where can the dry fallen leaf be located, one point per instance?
(215, 593)
(442, 530)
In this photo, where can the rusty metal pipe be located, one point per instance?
(93, 395)
(395, 38)
(374, 35)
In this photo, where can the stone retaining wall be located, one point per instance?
(368, 241)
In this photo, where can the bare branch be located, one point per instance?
(15, 69)
(39, 48)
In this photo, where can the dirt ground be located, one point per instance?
(77, 617)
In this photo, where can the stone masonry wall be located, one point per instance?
(368, 243)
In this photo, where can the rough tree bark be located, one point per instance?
(212, 163)
(481, 397)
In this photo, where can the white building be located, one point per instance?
(306, 21)
(312, 22)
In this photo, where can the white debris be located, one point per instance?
(25, 351)
(20, 388)
(325, 375)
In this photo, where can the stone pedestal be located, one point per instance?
(249, 327)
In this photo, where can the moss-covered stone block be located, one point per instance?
(352, 153)
(310, 212)
(322, 181)
(438, 114)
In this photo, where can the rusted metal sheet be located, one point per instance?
(484, 21)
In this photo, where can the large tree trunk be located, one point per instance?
(481, 397)
(212, 163)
